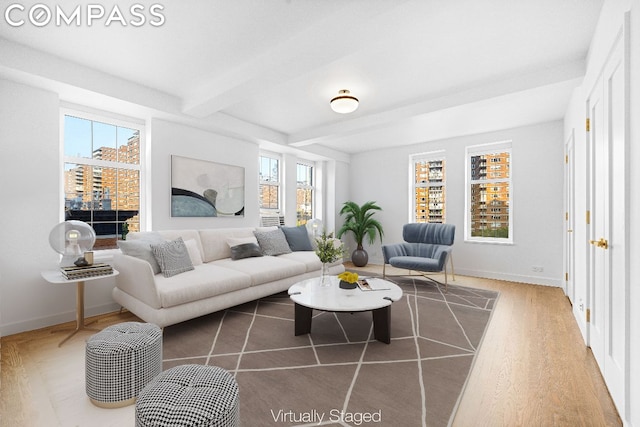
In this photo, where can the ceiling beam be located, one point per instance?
(449, 99)
(348, 31)
(82, 85)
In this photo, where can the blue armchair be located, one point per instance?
(427, 247)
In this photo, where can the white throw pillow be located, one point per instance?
(194, 252)
(235, 241)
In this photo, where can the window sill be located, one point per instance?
(490, 242)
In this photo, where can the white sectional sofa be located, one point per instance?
(216, 281)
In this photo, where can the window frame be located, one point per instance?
(487, 149)
(112, 120)
(312, 187)
(414, 159)
(278, 183)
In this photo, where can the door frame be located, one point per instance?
(569, 200)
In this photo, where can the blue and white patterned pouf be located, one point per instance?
(120, 360)
(190, 395)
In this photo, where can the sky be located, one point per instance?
(78, 141)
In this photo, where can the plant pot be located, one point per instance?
(359, 257)
(347, 285)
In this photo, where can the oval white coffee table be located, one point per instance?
(309, 295)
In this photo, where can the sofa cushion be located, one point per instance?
(308, 258)
(245, 250)
(141, 248)
(214, 241)
(272, 242)
(172, 256)
(202, 282)
(264, 269)
(297, 238)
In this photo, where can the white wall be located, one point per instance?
(537, 201)
(169, 139)
(30, 132)
(31, 207)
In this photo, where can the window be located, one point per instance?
(102, 176)
(269, 182)
(305, 192)
(489, 186)
(428, 178)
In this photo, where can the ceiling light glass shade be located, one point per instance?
(344, 103)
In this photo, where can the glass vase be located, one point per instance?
(325, 280)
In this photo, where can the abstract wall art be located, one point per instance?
(201, 188)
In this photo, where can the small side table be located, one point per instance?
(56, 277)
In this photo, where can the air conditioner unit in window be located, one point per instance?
(271, 220)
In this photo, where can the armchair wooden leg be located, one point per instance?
(453, 273)
(446, 281)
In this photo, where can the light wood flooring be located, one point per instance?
(532, 369)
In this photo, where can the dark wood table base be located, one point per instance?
(381, 322)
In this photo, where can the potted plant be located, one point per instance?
(329, 249)
(359, 220)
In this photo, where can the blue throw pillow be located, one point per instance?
(297, 238)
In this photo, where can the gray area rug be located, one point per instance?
(339, 374)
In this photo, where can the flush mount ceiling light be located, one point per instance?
(344, 103)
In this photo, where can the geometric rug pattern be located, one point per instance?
(339, 375)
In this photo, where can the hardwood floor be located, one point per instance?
(533, 369)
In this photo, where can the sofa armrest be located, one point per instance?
(136, 278)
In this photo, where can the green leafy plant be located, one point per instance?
(359, 220)
(329, 248)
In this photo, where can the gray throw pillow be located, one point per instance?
(297, 238)
(173, 257)
(272, 242)
(139, 249)
(245, 250)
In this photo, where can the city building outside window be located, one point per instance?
(489, 210)
(429, 187)
(102, 175)
(305, 192)
(269, 182)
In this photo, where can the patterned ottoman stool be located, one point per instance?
(120, 360)
(189, 395)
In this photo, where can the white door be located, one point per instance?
(569, 218)
(609, 279)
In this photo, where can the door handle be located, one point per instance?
(602, 243)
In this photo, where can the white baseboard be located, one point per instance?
(533, 280)
(56, 319)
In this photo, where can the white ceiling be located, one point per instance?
(266, 69)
